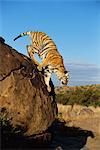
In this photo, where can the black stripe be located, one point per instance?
(46, 48)
(48, 43)
(35, 48)
(45, 38)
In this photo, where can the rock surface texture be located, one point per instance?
(24, 99)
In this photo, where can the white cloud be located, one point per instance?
(81, 65)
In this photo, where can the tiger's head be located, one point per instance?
(63, 76)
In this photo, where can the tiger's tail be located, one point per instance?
(22, 34)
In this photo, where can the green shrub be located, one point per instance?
(83, 95)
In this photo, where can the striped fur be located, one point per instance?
(52, 61)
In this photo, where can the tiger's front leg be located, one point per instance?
(47, 76)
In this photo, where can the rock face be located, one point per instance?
(24, 99)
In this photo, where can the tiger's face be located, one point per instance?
(63, 76)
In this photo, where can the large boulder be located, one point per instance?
(24, 99)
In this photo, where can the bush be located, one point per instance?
(83, 95)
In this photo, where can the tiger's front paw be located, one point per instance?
(39, 68)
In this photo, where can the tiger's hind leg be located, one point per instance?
(31, 52)
(47, 76)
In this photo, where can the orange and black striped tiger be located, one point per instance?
(52, 61)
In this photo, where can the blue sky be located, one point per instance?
(73, 25)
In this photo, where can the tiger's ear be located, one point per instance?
(65, 72)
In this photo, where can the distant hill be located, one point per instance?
(82, 95)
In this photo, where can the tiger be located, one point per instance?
(52, 61)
